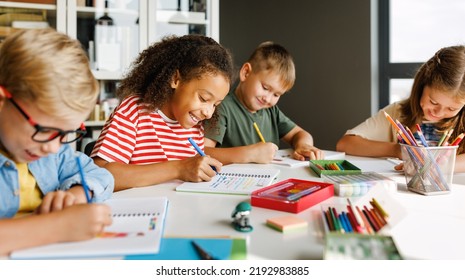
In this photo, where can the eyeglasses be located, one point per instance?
(45, 134)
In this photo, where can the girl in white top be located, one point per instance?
(436, 103)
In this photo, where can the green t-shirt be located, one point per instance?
(235, 125)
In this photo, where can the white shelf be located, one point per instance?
(181, 17)
(91, 12)
(107, 75)
(28, 5)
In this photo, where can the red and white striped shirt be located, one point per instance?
(136, 136)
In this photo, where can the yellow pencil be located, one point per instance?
(258, 132)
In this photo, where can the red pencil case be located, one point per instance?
(292, 195)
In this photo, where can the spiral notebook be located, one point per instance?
(234, 180)
(137, 228)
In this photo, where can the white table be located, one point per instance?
(432, 229)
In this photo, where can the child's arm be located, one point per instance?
(194, 169)
(359, 146)
(99, 180)
(255, 153)
(79, 222)
(460, 163)
(302, 142)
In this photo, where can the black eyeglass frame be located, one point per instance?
(80, 132)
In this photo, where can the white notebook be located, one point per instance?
(137, 228)
(284, 157)
(234, 180)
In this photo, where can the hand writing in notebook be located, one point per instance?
(234, 180)
(197, 148)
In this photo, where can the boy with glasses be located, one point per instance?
(46, 91)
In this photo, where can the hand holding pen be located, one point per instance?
(213, 164)
(61, 199)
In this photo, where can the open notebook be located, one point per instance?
(284, 157)
(137, 229)
(234, 180)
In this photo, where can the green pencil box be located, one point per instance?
(348, 168)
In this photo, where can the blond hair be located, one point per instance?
(274, 57)
(50, 69)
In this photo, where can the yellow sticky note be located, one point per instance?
(287, 224)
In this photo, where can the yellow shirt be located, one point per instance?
(30, 196)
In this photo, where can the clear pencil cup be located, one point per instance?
(429, 170)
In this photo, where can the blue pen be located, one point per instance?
(84, 183)
(197, 148)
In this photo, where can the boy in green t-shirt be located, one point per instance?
(251, 125)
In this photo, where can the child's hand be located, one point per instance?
(262, 152)
(308, 152)
(58, 200)
(399, 167)
(83, 221)
(198, 168)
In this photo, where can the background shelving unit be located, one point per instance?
(146, 21)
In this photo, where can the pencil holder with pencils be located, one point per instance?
(429, 170)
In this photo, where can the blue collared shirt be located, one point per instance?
(55, 172)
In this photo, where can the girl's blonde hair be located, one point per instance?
(50, 69)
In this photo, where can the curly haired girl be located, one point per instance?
(173, 85)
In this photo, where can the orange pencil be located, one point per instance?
(376, 218)
(379, 216)
(391, 121)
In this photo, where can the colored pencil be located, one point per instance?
(443, 137)
(458, 139)
(378, 206)
(422, 137)
(258, 132)
(367, 225)
(83, 179)
(445, 142)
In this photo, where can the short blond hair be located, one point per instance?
(50, 69)
(274, 57)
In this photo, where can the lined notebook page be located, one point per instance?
(234, 180)
(137, 228)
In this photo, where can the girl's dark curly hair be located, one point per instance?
(192, 55)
